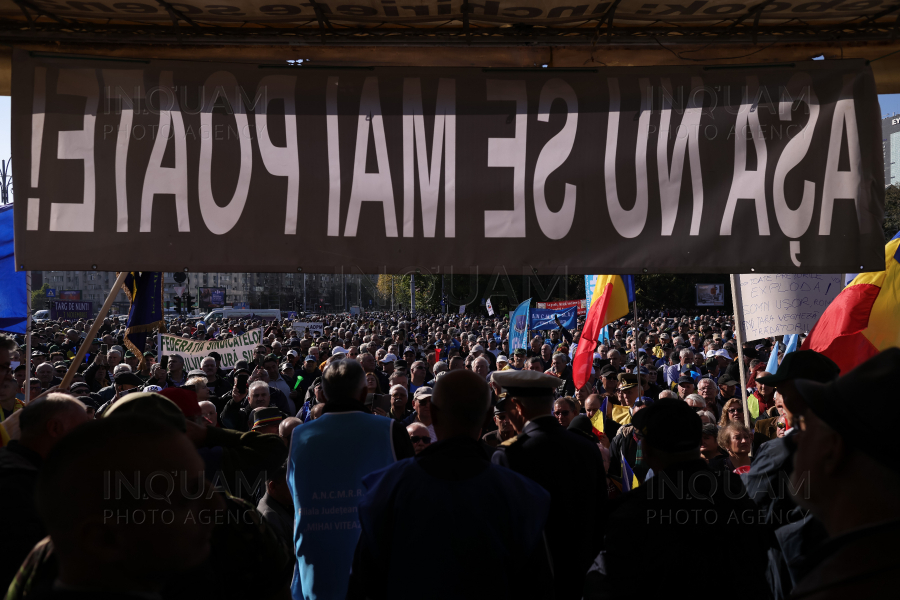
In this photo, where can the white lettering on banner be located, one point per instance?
(230, 350)
(841, 184)
(747, 184)
(334, 158)
(222, 219)
(687, 134)
(281, 161)
(371, 187)
(794, 223)
(124, 85)
(78, 144)
(782, 304)
(556, 225)
(166, 180)
(629, 223)
(509, 152)
(429, 179)
(429, 154)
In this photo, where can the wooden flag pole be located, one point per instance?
(738, 321)
(27, 358)
(95, 327)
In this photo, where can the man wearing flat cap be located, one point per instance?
(565, 464)
(854, 480)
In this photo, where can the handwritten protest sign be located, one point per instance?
(315, 328)
(193, 352)
(785, 303)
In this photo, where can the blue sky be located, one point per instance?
(890, 103)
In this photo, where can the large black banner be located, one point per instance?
(169, 165)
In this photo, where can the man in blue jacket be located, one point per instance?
(329, 458)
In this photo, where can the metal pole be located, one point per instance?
(738, 321)
(392, 293)
(634, 333)
(27, 361)
(412, 293)
(304, 292)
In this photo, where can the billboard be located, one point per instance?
(580, 305)
(71, 310)
(710, 294)
(212, 297)
(386, 163)
(70, 294)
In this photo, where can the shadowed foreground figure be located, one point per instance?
(113, 543)
(486, 522)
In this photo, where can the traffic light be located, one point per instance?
(177, 301)
(188, 302)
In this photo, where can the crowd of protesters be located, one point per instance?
(399, 455)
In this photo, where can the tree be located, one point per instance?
(891, 211)
(39, 298)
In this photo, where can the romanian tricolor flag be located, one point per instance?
(598, 418)
(864, 319)
(609, 301)
(629, 481)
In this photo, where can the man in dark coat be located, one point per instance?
(42, 423)
(684, 505)
(487, 521)
(768, 482)
(565, 464)
(855, 480)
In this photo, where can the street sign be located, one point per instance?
(179, 290)
(51, 292)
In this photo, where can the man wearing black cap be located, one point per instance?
(684, 505)
(505, 431)
(124, 382)
(565, 464)
(854, 480)
(773, 464)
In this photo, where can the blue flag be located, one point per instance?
(519, 325)
(792, 344)
(145, 291)
(13, 295)
(542, 318)
(772, 365)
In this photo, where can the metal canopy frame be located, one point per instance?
(39, 26)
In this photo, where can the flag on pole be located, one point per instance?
(629, 481)
(772, 365)
(490, 307)
(610, 299)
(791, 345)
(519, 324)
(145, 292)
(864, 319)
(13, 287)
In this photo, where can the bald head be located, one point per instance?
(460, 401)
